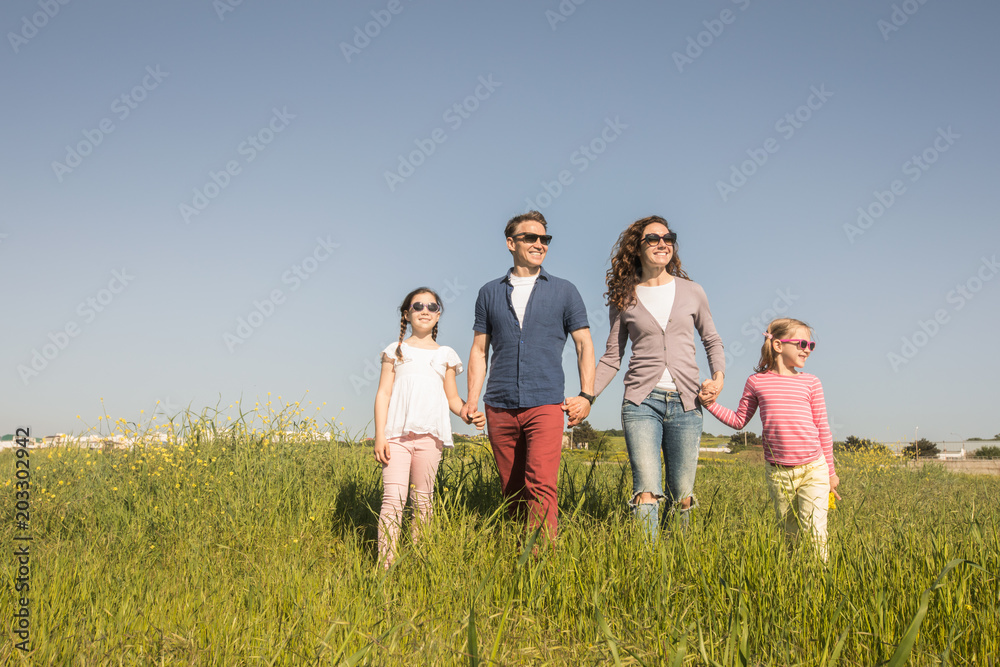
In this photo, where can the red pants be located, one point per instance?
(526, 444)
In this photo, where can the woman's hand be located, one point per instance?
(709, 391)
(382, 451)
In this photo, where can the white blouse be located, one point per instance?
(418, 403)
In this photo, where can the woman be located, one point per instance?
(654, 304)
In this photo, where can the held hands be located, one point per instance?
(470, 414)
(576, 408)
(382, 451)
(709, 391)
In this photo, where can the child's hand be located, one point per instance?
(479, 419)
(382, 451)
(707, 393)
(834, 483)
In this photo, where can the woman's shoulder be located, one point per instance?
(688, 286)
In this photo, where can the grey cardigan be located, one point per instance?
(654, 349)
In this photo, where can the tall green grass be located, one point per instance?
(249, 547)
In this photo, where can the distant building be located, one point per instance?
(953, 455)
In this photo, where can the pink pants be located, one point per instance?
(413, 464)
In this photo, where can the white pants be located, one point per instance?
(801, 497)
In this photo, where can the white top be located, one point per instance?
(418, 403)
(659, 300)
(521, 292)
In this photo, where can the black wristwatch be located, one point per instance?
(589, 397)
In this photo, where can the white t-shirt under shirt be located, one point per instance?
(521, 292)
(659, 300)
(418, 403)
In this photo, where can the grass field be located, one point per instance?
(251, 549)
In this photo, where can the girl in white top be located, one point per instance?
(412, 426)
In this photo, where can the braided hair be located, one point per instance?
(404, 308)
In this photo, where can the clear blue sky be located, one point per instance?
(168, 165)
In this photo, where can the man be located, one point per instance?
(525, 316)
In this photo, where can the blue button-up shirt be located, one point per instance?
(526, 369)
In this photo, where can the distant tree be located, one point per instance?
(922, 448)
(997, 436)
(743, 440)
(975, 440)
(856, 444)
(584, 432)
(615, 433)
(988, 452)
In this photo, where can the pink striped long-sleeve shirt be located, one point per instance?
(793, 411)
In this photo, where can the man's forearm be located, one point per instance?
(477, 374)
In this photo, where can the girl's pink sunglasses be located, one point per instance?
(802, 343)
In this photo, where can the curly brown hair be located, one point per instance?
(626, 263)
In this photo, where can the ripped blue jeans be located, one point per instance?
(662, 437)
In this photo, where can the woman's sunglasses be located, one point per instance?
(431, 307)
(532, 238)
(654, 239)
(803, 344)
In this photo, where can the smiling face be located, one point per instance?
(527, 255)
(422, 320)
(790, 355)
(655, 258)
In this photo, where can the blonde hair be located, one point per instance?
(783, 327)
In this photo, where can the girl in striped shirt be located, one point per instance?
(798, 446)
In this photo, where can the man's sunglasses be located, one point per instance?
(431, 307)
(532, 238)
(802, 344)
(654, 239)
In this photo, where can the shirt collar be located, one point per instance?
(542, 273)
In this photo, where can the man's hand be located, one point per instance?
(576, 408)
(470, 408)
(477, 418)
